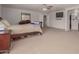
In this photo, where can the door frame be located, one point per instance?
(69, 12)
(44, 20)
(70, 22)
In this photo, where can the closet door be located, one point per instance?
(74, 24)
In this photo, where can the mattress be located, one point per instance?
(27, 28)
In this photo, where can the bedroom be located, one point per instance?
(57, 35)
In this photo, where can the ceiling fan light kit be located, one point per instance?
(45, 7)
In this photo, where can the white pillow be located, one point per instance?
(5, 22)
(2, 25)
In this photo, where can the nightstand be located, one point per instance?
(5, 42)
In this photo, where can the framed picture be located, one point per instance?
(25, 16)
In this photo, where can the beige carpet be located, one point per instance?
(52, 41)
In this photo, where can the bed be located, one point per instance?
(22, 30)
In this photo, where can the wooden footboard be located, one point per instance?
(16, 36)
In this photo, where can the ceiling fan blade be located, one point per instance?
(46, 7)
(49, 7)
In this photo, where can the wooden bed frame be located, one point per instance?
(18, 36)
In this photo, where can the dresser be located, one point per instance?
(5, 42)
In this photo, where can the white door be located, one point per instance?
(74, 24)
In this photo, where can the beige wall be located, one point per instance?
(14, 15)
(54, 22)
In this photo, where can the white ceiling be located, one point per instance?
(38, 7)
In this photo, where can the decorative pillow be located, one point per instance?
(6, 23)
(35, 22)
(25, 22)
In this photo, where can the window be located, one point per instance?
(25, 16)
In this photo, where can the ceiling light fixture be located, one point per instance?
(46, 7)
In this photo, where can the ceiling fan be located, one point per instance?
(46, 7)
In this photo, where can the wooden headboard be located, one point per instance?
(25, 22)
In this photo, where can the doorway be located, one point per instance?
(70, 24)
(72, 20)
(45, 21)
